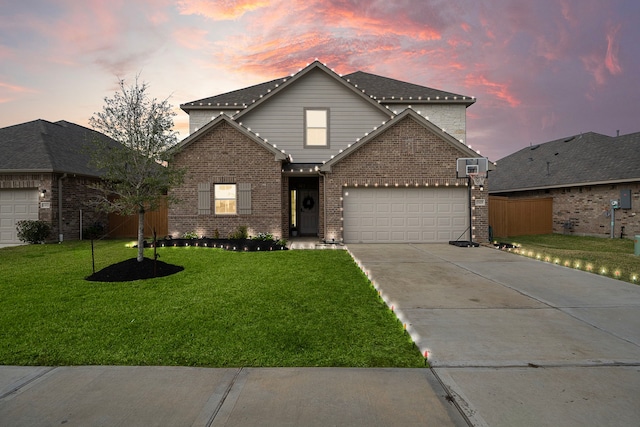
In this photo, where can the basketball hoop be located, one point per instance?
(478, 179)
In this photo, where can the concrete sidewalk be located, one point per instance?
(517, 341)
(180, 396)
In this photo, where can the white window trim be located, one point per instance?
(326, 128)
(216, 198)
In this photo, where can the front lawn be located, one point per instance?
(226, 309)
(609, 257)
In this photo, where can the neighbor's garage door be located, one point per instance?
(16, 205)
(396, 215)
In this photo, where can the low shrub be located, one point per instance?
(264, 236)
(240, 233)
(31, 231)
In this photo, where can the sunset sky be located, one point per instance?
(540, 70)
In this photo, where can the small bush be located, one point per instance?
(190, 235)
(264, 237)
(33, 231)
(240, 233)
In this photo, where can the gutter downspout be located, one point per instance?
(60, 234)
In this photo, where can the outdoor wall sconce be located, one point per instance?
(43, 192)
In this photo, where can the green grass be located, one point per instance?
(609, 257)
(226, 309)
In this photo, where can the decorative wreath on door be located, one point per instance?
(308, 203)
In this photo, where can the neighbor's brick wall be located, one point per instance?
(224, 154)
(406, 153)
(587, 208)
(75, 195)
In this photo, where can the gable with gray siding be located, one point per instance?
(281, 118)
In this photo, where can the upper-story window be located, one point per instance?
(316, 123)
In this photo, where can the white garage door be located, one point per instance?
(16, 205)
(396, 215)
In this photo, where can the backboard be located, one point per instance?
(473, 165)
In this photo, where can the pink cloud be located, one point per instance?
(118, 35)
(376, 21)
(339, 32)
(611, 57)
(192, 38)
(220, 10)
(9, 92)
(499, 90)
(599, 65)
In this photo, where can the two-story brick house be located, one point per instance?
(353, 158)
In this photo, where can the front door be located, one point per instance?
(308, 212)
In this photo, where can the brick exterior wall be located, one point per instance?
(225, 156)
(406, 153)
(585, 210)
(75, 195)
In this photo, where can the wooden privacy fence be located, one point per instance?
(520, 217)
(127, 226)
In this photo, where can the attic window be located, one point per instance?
(316, 124)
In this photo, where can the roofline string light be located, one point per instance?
(410, 182)
(284, 80)
(355, 86)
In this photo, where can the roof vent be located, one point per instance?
(535, 147)
(570, 139)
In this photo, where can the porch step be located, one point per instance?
(310, 243)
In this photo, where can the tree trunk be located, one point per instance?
(141, 234)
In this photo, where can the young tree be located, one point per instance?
(137, 172)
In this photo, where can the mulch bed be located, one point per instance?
(131, 269)
(237, 245)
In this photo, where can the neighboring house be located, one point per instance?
(44, 175)
(583, 174)
(353, 158)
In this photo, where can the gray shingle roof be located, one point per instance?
(584, 159)
(42, 146)
(391, 90)
(381, 88)
(236, 99)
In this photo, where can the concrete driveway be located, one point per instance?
(516, 341)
